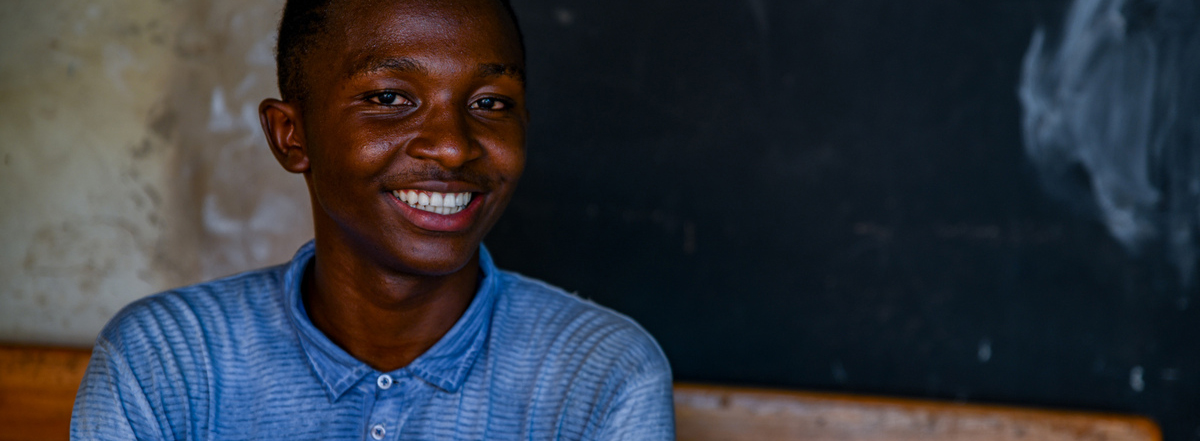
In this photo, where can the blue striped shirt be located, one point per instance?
(238, 358)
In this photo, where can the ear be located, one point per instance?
(285, 134)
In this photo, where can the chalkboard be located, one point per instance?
(837, 196)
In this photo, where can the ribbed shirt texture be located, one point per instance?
(238, 359)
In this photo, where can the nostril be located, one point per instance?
(447, 151)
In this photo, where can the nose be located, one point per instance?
(444, 136)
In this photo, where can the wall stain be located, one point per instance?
(155, 197)
(145, 229)
(143, 150)
(164, 122)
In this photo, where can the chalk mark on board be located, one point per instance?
(1111, 118)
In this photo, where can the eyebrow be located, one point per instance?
(373, 65)
(500, 69)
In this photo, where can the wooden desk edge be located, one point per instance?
(1139, 423)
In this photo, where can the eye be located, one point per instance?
(389, 99)
(490, 104)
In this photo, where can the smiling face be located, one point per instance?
(411, 135)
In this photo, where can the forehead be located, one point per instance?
(476, 29)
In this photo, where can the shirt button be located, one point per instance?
(377, 431)
(384, 381)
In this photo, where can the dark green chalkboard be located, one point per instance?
(833, 195)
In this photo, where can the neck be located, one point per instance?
(383, 318)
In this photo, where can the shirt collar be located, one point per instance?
(444, 365)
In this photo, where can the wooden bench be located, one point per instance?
(37, 389)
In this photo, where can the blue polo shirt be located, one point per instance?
(238, 359)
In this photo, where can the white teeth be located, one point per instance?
(434, 202)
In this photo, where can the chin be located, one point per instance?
(435, 260)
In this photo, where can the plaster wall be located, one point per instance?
(131, 158)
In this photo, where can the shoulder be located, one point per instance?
(568, 329)
(583, 359)
(194, 314)
(152, 370)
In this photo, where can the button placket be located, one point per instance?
(383, 416)
(387, 412)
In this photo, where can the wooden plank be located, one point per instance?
(715, 413)
(37, 391)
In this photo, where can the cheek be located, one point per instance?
(511, 162)
(517, 168)
(509, 153)
(348, 158)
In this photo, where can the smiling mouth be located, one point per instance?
(434, 202)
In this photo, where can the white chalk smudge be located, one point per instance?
(1111, 116)
(564, 16)
(1136, 382)
(985, 350)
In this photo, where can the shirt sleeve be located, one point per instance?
(643, 407)
(644, 410)
(109, 404)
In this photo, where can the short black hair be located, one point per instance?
(303, 24)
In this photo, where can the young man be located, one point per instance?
(407, 120)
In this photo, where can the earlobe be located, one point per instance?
(285, 135)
